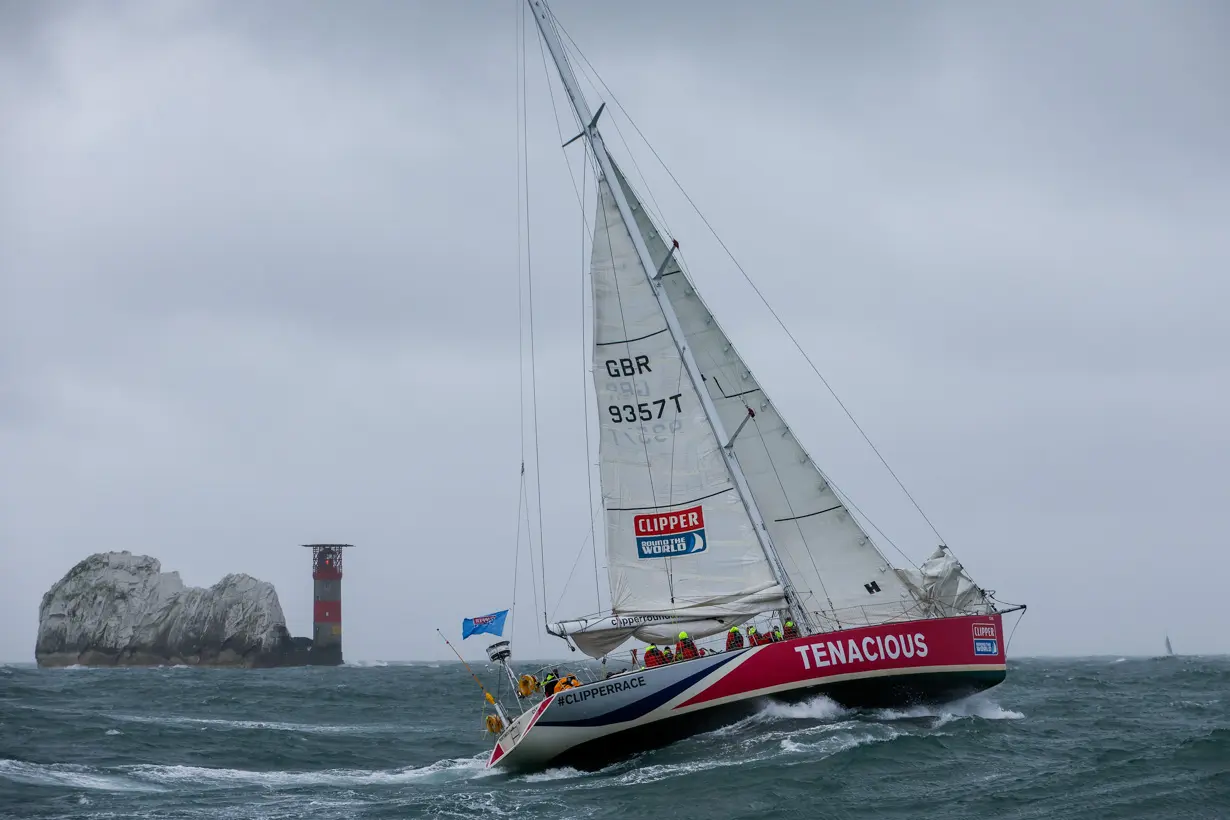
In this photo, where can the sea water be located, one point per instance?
(1095, 738)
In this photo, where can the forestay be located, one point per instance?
(681, 549)
(839, 575)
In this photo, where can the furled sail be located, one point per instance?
(681, 548)
(943, 588)
(839, 575)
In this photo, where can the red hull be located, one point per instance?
(885, 665)
(964, 644)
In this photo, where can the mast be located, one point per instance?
(542, 16)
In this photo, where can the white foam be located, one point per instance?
(71, 775)
(817, 708)
(462, 768)
(835, 744)
(652, 774)
(113, 732)
(976, 706)
(562, 773)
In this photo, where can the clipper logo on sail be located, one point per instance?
(671, 534)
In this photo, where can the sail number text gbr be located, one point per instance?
(641, 411)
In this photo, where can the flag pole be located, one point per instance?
(487, 694)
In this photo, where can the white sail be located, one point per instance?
(681, 548)
(1169, 651)
(839, 574)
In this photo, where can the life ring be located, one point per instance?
(527, 685)
(494, 725)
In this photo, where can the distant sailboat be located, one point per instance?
(1169, 650)
(715, 514)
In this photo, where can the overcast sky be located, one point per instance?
(258, 287)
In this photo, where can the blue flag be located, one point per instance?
(493, 623)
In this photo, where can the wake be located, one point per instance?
(156, 778)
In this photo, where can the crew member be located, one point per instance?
(685, 648)
(550, 682)
(734, 639)
(753, 637)
(777, 633)
(791, 631)
(654, 656)
(668, 655)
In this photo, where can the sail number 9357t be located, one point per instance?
(642, 411)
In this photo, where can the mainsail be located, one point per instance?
(682, 552)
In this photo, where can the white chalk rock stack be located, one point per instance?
(120, 609)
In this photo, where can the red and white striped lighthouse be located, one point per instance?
(327, 603)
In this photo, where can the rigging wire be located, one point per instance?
(758, 292)
(512, 610)
(575, 562)
(572, 572)
(585, 364)
(522, 218)
(529, 271)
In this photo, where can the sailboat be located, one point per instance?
(715, 515)
(1169, 650)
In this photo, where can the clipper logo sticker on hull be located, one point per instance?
(986, 642)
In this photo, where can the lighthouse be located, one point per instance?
(327, 603)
